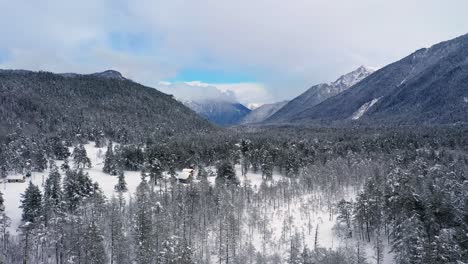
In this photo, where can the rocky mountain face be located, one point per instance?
(220, 112)
(69, 104)
(317, 94)
(262, 112)
(430, 86)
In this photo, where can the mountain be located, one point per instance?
(70, 104)
(317, 94)
(428, 87)
(220, 112)
(262, 112)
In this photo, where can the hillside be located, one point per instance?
(263, 112)
(70, 104)
(317, 94)
(223, 113)
(429, 87)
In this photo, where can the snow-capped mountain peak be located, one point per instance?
(350, 79)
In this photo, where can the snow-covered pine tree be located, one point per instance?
(110, 161)
(80, 157)
(31, 203)
(53, 194)
(121, 185)
(119, 242)
(226, 174)
(143, 225)
(94, 250)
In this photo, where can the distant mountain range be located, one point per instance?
(317, 94)
(262, 112)
(220, 112)
(88, 104)
(428, 87)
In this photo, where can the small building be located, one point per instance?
(186, 175)
(15, 178)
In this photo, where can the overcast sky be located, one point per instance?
(259, 50)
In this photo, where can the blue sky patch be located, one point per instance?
(211, 76)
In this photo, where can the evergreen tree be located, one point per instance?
(110, 161)
(143, 225)
(80, 157)
(31, 203)
(174, 251)
(119, 241)
(226, 174)
(53, 194)
(93, 243)
(267, 165)
(77, 185)
(2, 206)
(121, 185)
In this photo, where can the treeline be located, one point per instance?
(414, 195)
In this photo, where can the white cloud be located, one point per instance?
(286, 45)
(245, 93)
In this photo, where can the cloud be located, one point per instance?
(286, 46)
(245, 93)
(196, 91)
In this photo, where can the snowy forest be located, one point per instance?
(259, 196)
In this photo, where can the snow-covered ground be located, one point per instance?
(301, 215)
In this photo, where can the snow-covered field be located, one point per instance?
(301, 215)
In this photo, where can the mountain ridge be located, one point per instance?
(317, 94)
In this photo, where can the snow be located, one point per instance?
(465, 99)
(364, 108)
(353, 77)
(301, 214)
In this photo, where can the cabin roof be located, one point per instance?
(15, 177)
(184, 174)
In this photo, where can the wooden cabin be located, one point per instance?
(15, 178)
(186, 175)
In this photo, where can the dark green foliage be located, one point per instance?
(31, 203)
(95, 252)
(121, 184)
(77, 185)
(80, 157)
(110, 161)
(90, 105)
(226, 174)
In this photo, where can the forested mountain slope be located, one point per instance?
(220, 112)
(317, 94)
(428, 87)
(263, 112)
(70, 104)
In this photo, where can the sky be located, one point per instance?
(251, 51)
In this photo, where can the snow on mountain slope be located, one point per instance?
(363, 109)
(262, 112)
(317, 94)
(220, 112)
(426, 87)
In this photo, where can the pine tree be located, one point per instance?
(267, 165)
(121, 185)
(226, 174)
(80, 157)
(93, 243)
(409, 241)
(110, 161)
(76, 186)
(31, 203)
(119, 241)
(2, 206)
(143, 225)
(175, 251)
(53, 194)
